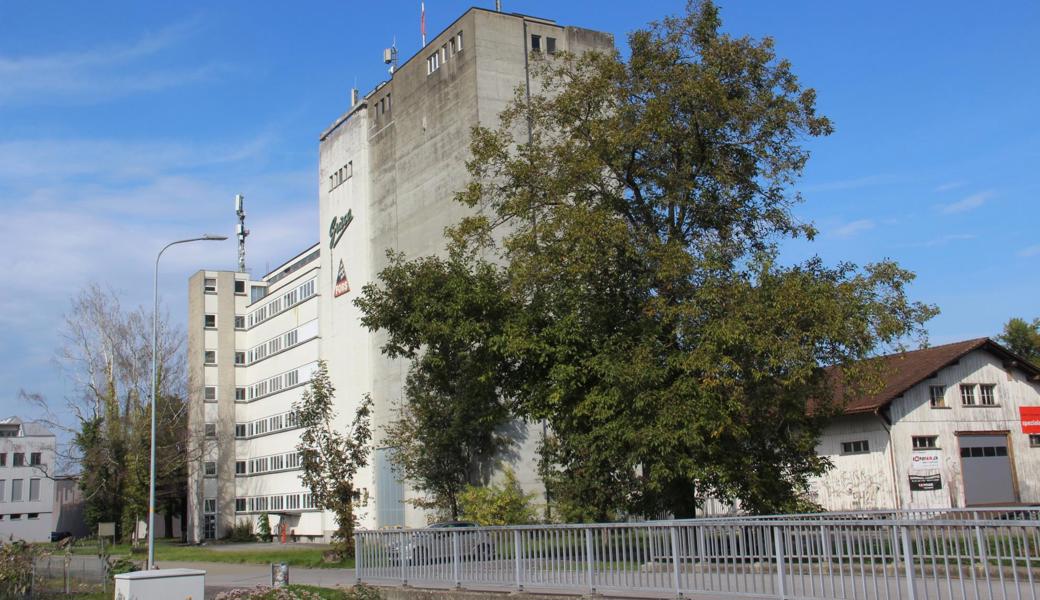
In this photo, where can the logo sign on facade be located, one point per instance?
(342, 285)
(925, 483)
(1030, 418)
(338, 227)
(925, 460)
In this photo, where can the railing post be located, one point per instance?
(455, 559)
(588, 560)
(778, 550)
(404, 563)
(675, 560)
(908, 561)
(358, 553)
(516, 558)
(983, 551)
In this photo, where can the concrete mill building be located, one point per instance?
(388, 170)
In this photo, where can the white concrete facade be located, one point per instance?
(27, 499)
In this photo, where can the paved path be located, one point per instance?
(224, 576)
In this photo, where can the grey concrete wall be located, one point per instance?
(225, 401)
(196, 346)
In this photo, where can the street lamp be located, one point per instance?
(155, 376)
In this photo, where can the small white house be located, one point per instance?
(956, 425)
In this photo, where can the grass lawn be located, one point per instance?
(261, 554)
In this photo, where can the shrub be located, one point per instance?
(263, 528)
(242, 532)
(16, 560)
(500, 504)
(359, 592)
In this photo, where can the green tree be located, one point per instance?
(498, 504)
(1022, 338)
(330, 458)
(445, 318)
(669, 349)
(263, 528)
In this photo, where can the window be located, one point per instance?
(209, 506)
(210, 393)
(2, 497)
(240, 467)
(210, 357)
(458, 41)
(209, 320)
(209, 285)
(925, 442)
(240, 394)
(18, 459)
(240, 505)
(210, 469)
(34, 490)
(16, 517)
(550, 45)
(257, 292)
(451, 45)
(1034, 442)
(240, 286)
(240, 358)
(444, 53)
(536, 43)
(291, 338)
(856, 447)
(211, 430)
(32, 516)
(292, 377)
(16, 490)
(937, 396)
(968, 394)
(35, 459)
(240, 322)
(240, 430)
(3, 459)
(987, 396)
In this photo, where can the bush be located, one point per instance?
(504, 504)
(293, 592)
(242, 532)
(263, 528)
(16, 560)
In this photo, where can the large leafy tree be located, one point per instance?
(1022, 338)
(332, 458)
(446, 319)
(636, 209)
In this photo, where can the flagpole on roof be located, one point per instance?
(422, 21)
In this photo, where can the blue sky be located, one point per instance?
(127, 124)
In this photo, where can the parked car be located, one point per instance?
(434, 543)
(57, 536)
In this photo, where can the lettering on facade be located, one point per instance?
(926, 460)
(925, 483)
(338, 227)
(342, 285)
(1030, 416)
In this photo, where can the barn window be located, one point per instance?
(968, 394)
(937, 396)
(856, 447)
(987, 397)
(1034, 440)
(926, 442)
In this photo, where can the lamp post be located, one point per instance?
(155, 376)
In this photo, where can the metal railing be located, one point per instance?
(868, 559)
(1005, 513)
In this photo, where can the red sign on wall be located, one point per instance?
(1030, 418)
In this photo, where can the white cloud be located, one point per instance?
(853, 228)
(965, 204)
(950, 185)
(101, 73)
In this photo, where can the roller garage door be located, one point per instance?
(986, 467)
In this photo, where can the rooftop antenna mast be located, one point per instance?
(241, 231)
(390, 56)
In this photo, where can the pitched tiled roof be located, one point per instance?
(904, 370)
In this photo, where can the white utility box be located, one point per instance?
(165, 584)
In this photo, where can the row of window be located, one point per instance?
(274, 384)
(18, 459)
(209, 285)
(282, 302)
(343, 173)
(286, 420)
(536, 44)
(440, 57)
(927, 442)
(18, 516)
(972, 394)
(300, 501)
(271, 346)
(17, 488)
(268, 464)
